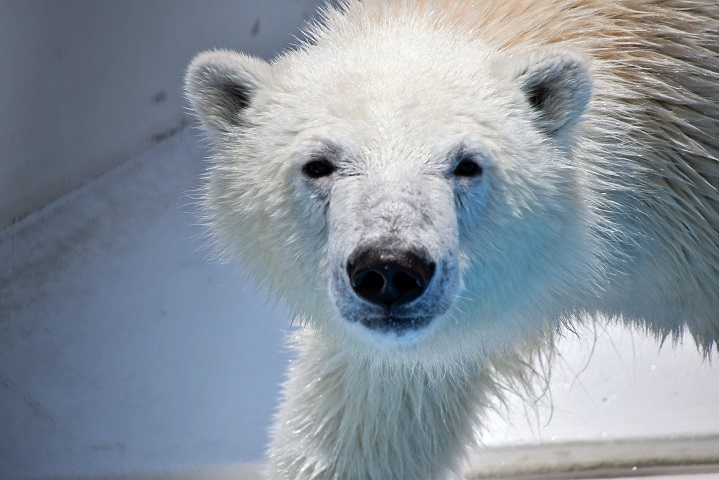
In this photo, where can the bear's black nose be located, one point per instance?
(387, 276)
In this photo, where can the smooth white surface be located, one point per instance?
(88, 84)
(123, 349)
(613, 384)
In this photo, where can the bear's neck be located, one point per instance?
(353, 418)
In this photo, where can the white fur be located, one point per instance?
(598, 195)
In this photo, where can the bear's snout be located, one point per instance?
(389, 276)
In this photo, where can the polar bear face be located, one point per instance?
(404, 196)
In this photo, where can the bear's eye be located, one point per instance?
(467, 167)
(318, 168)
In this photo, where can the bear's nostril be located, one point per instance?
(404, 282)
(389, 277)
(369, 281)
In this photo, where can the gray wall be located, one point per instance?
(87, 84)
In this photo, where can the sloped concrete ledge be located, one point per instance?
(616, 459)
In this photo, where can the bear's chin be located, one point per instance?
(389, 341)
(394, 325)
(391, 335)
(411, 325)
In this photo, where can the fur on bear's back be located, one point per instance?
(650, 137)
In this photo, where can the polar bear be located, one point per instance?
(438, 186)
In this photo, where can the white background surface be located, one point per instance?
(122, 348)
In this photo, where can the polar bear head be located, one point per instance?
(409, 192)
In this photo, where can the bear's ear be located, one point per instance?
(556, 84)
(221, 84)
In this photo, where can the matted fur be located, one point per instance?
(604, 201)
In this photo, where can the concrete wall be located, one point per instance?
(86, 83)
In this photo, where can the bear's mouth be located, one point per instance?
(395, 324)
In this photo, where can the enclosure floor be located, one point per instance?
(125, 349)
